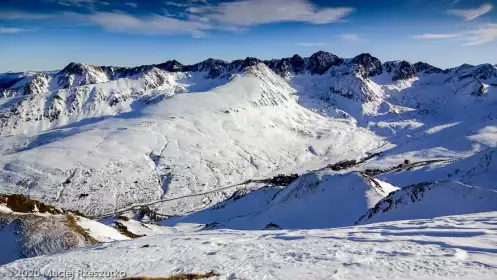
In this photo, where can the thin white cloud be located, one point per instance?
(350, 37)
(19, 15)
(471, 14)
(12, 30)
(256, 12)
(153, 24)
(131, 4)
(306, 44)
(76, 3)
(176, 4)
(482, 35)
(436, 36)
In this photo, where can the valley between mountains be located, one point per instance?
(344, 166)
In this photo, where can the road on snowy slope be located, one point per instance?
(282, 180)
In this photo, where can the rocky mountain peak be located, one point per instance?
(367, 65)
(321, 61)
(298, 63)
(486, 72)
(75, 74)
(76, 68)
(250, 61)
(423, 67)
(401, 70)
(170, 66)
(213, 67)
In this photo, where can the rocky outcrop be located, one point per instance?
(321, 62)
(400, 70)
(367, 65)
(425, 68)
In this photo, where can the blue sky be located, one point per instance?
(48, 34)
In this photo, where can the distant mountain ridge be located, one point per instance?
(319, 63)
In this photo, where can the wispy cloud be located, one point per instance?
(482, 35)
(76, 3)
(176, 4)
(350, 37)
(471, 14)
(306, 44)
(256, 12)
(19, 15)
(131, 4)
(153, 24)
(12, 30)
(196, 16)
(436, 36)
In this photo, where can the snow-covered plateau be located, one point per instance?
(296, 168)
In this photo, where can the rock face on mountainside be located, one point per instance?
(366, 65)
(401, 70)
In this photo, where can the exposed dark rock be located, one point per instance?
(404, 71)
(281, 179)
(170, 66)
(272, 226)
(422, 67)
(213, 67)
(485, 71)
(298, 63)
(367, 65)
(214, 225)
(321, 62)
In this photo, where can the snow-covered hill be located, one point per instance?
(430, 200)
(250, 144)
(188, 143)
(317, 200)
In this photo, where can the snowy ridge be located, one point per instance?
(353, 87)
(315, 200)
(430, 200)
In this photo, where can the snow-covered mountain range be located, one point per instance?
(293, 143)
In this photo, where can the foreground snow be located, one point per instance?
(456, 247)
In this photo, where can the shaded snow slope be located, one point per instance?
(456, 247)
(430, 200)
(316, 200)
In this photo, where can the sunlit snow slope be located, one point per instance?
(188, 143)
